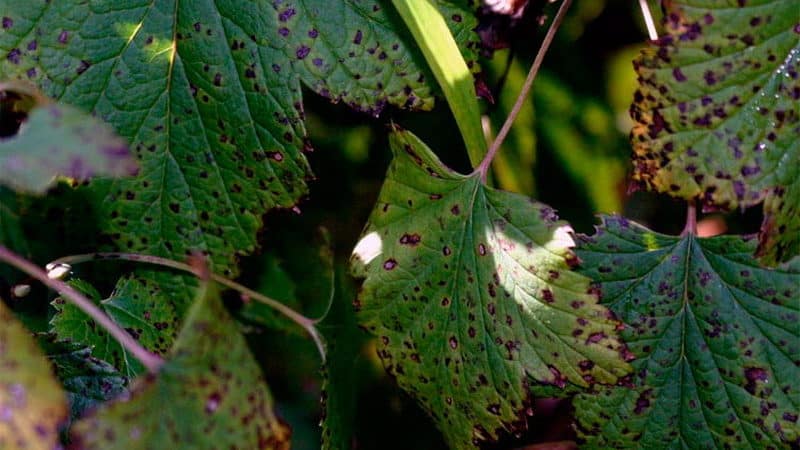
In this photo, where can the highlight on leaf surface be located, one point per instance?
(56, 140)
(32, 404)
(716, 339)
(470, 291)
(209, 394)
(718, 112)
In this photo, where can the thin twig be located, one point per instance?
(648, 20)
(306, 323)
(483, 168)
(150, 360)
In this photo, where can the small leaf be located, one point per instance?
(138, 305)
(716, 339)
(718, 114)
(470, 291)
(32, 404)
(60, 140)
(210, 394)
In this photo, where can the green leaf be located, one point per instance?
(60, 140)
(209, 95)
(429, 28)
(11, 230)
(716, 339)
(210, 394)
(138, 305)
(718, 114)
(470, 291)
(32, 405)
(88, 381)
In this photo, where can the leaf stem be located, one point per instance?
(306, 323)
(483, 168)
(648, 20)
(150, 360)
(691, 220)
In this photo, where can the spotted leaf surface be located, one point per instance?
(206, 396)
(32, 404)
(60, 140)
(208, 94)
(718, 112)
(717, 341)
(138, 305)
(469, 291)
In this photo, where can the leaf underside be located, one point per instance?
(32, 404)
(208, 94)
(206, 396)
(716, 339)
(718, 112)
(470, 291)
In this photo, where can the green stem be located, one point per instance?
(483, 168)
(248, 294)
(150, 360)
(441, 52)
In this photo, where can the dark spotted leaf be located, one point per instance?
(718, 112)
(138, 305)
(208, 93)
(717, 341)
(470, 291)
(210, 394)
(32, 404)
(60, 140)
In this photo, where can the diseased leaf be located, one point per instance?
(138, 305)
(32, 404)
(470, 291)
(88, 381)
(60, 140)
(717, 341)
(210, 394)
(718, 112)
(208, 93)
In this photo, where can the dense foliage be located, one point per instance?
(159, 150)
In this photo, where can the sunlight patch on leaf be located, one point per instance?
(716, 338)
(472, 293)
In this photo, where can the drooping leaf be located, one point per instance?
(717, 341)
(209, 394)
(60, 140)
(718, 112)
(208, 93)
(470, 291)
(88, 381)
(32, 404)
(138, 305)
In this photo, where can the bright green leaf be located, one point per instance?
(716, 338)
(209, 95)
(138, 305)
(60, 140)
(210, 394)
(718, 112)
(470, 291)
(32, 404)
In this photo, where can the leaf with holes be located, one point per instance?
(718, 112)
(206, 396)
(470, 291)
(209, 95)
(138, 305)
(60, 140)
(32, 404)
(716, 338)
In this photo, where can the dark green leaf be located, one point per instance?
(470, 291)
(210, 394)
(716, 338)
(60, 140)
(718, 112)
(32, 404)
(138, 305)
